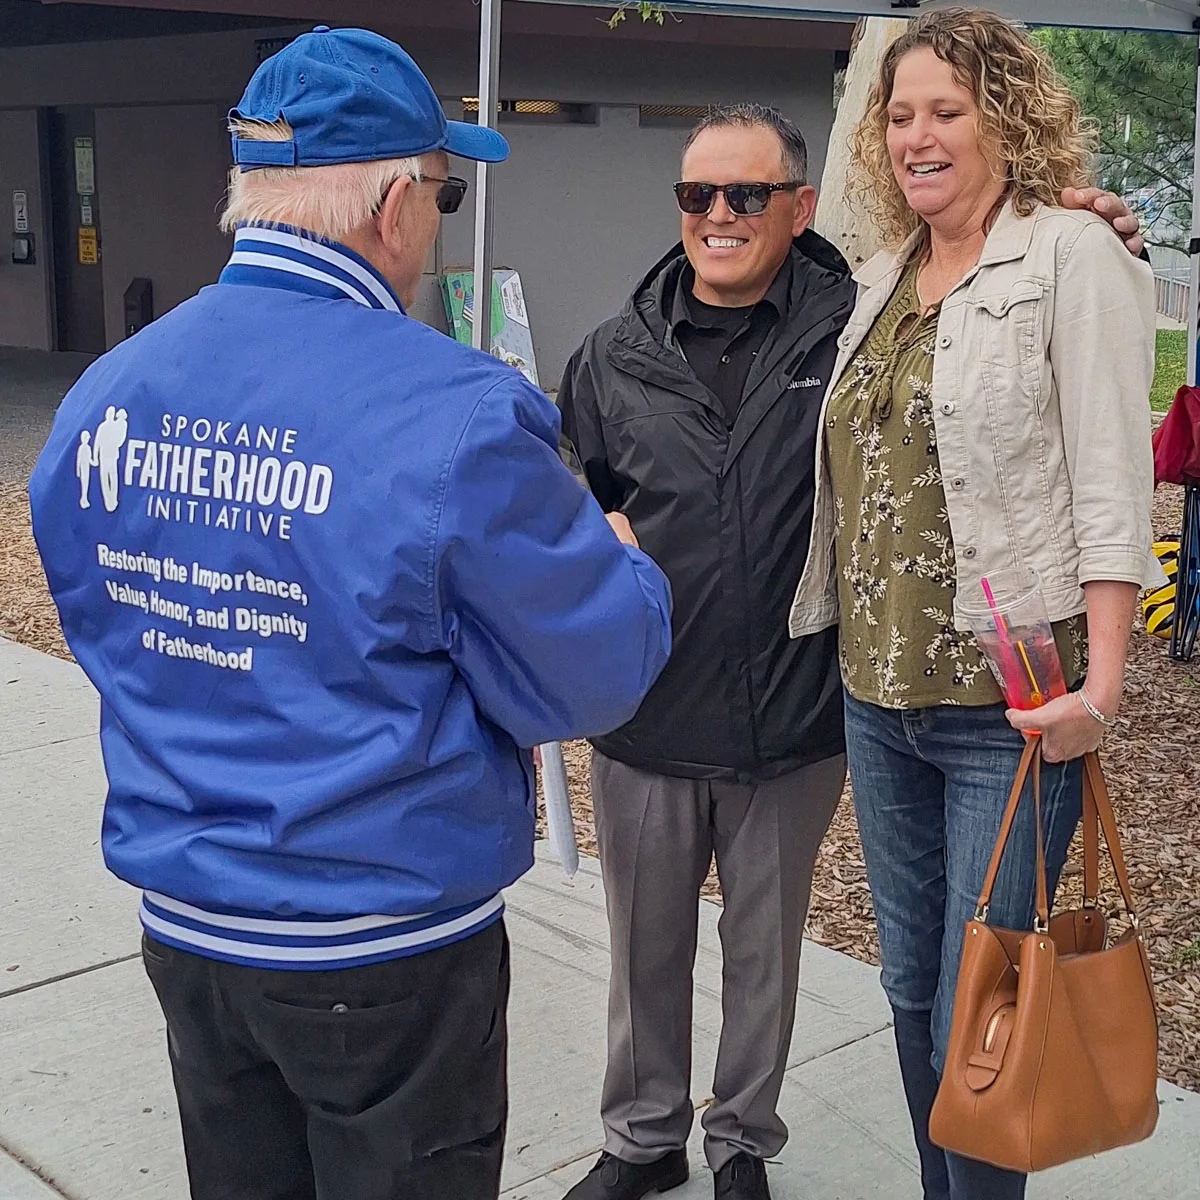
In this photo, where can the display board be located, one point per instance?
(512, 339)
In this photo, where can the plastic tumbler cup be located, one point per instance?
(1007, 614)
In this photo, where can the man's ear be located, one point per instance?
(804, 210)
(392, 210)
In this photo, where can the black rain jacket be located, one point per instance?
(726, 512)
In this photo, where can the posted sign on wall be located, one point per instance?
(85, 166)
(20, 212)
(88, 252)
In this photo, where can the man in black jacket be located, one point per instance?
(693, 413)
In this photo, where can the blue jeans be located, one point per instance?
(930, 786)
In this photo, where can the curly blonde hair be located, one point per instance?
(1027, 117)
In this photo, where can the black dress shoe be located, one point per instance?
(743, 1177)
(614, 1179)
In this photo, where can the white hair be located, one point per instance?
(330, 201)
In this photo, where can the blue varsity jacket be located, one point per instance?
(331, 581)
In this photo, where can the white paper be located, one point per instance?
(559, 825)
(513, 302)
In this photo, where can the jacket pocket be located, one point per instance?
(1010, 325)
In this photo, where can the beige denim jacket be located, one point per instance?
(1041, 384)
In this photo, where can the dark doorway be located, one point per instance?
(78, 283)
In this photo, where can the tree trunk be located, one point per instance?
(851, 231)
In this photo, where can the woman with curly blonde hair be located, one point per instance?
(989, 410)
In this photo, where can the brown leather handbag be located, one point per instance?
(1054, 1040)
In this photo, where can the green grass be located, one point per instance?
(1170, 369)
(1189, 955)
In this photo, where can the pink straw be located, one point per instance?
(1001, 629)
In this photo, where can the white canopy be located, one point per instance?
(1173, 16)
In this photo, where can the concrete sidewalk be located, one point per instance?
(32, 382)
(86, 1107)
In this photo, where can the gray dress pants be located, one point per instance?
(657, 835)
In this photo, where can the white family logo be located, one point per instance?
(220, 474)
(102, 452)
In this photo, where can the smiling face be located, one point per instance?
(948, 176)
(736, 258)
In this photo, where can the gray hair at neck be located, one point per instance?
(331, 201)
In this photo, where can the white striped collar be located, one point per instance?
(293, 259)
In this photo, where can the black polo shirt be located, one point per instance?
(721, 344)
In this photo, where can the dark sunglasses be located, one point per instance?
(450, 194)
(743, 199)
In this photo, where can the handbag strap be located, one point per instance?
(1031, 759)
(1097, 815)
(1091, 847)
(1041, 899)
(1095, 790)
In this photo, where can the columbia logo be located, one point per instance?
(809, 381)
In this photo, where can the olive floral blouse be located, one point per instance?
(894, 551)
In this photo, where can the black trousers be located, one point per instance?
(383, 1082)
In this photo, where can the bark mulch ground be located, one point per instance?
(26, 611)
(1152, 762)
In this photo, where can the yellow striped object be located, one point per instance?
(1159, 605)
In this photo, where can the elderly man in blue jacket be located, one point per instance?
(332, 586)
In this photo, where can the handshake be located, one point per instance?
(622, 528)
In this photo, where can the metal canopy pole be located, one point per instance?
(1194, 248)
(489, 93)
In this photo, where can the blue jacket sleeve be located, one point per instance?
(558, 629)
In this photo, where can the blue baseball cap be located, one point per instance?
(350, 95)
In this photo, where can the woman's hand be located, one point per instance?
(1068, 730)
